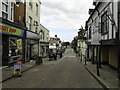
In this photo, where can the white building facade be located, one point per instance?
(44, 41)
(102, 27)
(7, 9)
(33, 25)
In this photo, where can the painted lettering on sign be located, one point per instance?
(10, 30)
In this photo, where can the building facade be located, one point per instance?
(44, 41)
(10, 32)
(29, 17)
(33, 25)
(18, 30)
(102, 33)
(7, 9)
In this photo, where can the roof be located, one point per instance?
(94, 11)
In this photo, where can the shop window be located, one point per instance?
(104, 23)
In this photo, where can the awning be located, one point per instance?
(31, 35)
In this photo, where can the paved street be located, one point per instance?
(67, 72)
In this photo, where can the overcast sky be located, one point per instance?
(64, 17)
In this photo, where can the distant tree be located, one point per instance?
(74, 43)
(66, 44)
(81, 33)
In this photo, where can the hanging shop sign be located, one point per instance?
(6, 29)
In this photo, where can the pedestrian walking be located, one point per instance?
(61, 53)
(50, 54)
(55, 54)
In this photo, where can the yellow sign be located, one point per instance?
(10, 30)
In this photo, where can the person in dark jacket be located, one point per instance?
(50, 54)
(55, 55)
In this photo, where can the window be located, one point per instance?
(90, 32)
(36, 27)
(4, 15)
(12, 9)
(4, 7)
(30, 4)
(36, 9)
(5, 1)
(104, 23)
(30, 23)
(11, 13)
(43, 36)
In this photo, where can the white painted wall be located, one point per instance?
(32, 13)
(46, 33)
(9, 9)
(96, 36)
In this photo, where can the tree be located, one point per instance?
(74, 43)
(66, 44)
(81, 33)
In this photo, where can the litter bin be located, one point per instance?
(18, 68)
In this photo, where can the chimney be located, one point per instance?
(90, 11)
(94, 2)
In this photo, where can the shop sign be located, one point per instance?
(11, 30)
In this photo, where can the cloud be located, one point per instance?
(66, 17)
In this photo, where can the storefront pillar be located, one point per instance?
(93, 61)
(24, 46)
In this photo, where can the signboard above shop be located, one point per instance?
(7, 29)
(32, 35)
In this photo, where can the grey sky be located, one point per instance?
(64, 17)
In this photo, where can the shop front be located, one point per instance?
(44, 48)
(32, 45)
(12, 41)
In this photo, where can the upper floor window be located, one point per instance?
(4, 10)
(36, 9)
(5, 1)
(36, 26)
(104, 23)
(89, 32)
(30, 4)
(4, 15)
(12, 9)
(30, 23)
(4, 7)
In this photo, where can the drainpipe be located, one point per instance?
(98, 53)
(99, 50)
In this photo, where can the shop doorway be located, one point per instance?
(5, 50)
